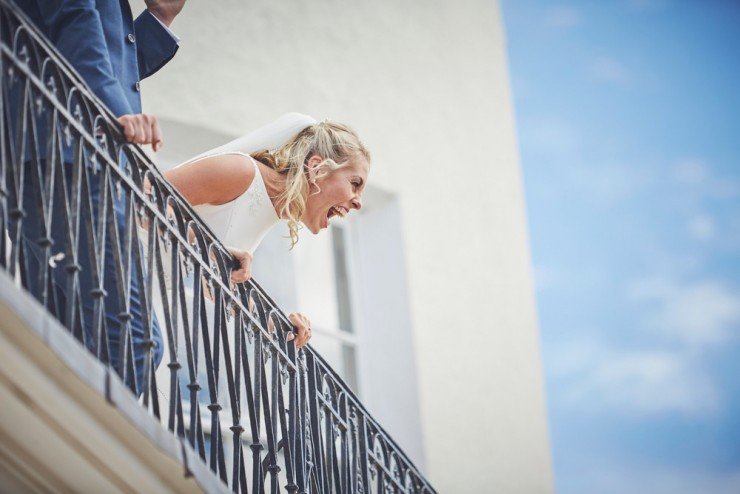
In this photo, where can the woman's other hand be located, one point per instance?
(243, 259)
(303, 329)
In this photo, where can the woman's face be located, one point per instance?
(340, 191)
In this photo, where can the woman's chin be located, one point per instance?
(318, 226)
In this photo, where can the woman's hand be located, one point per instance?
(303, 329)
(244, 260)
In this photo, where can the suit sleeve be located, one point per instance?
(77, 32)
(155, 46)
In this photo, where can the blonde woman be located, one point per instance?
(296, 169)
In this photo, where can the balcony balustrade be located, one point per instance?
(262, 416)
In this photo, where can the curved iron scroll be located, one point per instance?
(262, 416)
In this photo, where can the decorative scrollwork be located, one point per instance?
(116, 232)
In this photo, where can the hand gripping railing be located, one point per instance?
(85, 235)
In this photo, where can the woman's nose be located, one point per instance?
(357, 203)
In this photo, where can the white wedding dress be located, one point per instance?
(244, 221)
(241, 223)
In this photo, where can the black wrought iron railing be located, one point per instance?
(73, 203)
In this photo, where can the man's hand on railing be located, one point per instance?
(142, 129)
(303, 329)
(165, 10)
(242, 268)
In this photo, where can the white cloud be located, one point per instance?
(553, 135)
(655, 383)
(653, 477)
(697, 175)
(647, 5)
(671, 378)
(635, 383)
(575, 357)
(545, 277)
(701, 227)
(603, 183)
(563, 17)
(691, 171)
(609, 184)
(705, 312)
(608, 70)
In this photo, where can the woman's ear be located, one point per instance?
(313, 161)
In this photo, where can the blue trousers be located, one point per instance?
(146, 341)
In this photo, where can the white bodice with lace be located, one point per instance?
(244, 221)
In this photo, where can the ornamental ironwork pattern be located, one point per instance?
(74, 196)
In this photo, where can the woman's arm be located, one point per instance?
(214, 180)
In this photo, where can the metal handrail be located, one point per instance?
(307, 431)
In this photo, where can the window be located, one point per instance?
(325, 294)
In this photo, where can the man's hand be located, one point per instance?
(142, 129)
(165, 10)
(244, 258)
(303, 329)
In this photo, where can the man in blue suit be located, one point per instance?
(112, 52)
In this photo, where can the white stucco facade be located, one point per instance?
(449, 357)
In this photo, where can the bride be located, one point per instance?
(296, 169)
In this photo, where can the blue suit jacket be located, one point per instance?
(101, 40)
(112, 52)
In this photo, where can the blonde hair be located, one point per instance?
(335, 143)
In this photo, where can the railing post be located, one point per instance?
(363, 473)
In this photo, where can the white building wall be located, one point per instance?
(425, 83)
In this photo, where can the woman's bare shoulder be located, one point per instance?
(215, 179)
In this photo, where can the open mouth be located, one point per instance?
(336, 211)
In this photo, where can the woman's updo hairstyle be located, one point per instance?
(335, 143)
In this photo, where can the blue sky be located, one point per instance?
(628, 115)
